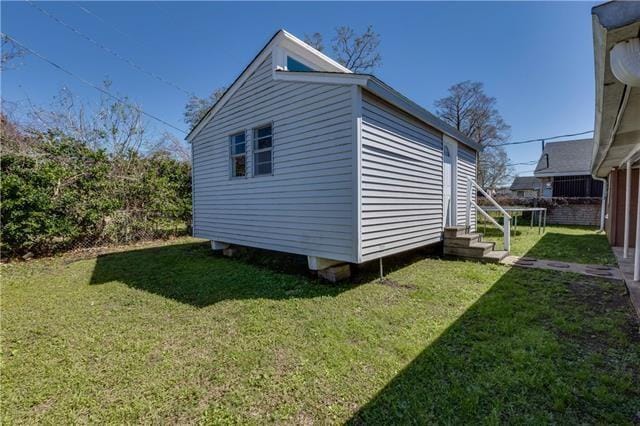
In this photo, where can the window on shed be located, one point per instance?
(293, 65)
(238, 155)
(262, 151)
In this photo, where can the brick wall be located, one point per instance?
(560, 211)
(574, 214)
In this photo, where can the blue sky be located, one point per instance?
(535, 58)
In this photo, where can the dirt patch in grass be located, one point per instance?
(391, 283)
(599, 299)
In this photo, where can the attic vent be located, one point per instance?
(293, 65)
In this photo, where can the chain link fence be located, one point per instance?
(121, 227)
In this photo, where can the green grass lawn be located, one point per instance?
(569, 243)
(175, 334)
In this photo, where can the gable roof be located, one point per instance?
(281, 37)
(565, 158)
(521, 183)
(328, 71)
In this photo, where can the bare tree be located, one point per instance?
(315, 40)
(359, 53)
(196, 107)
(10, 52)
(175, 147)
(117, 127)
(472, 112)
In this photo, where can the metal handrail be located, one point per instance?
(505, 228)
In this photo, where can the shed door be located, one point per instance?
(447, 185)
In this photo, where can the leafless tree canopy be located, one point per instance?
(10, 52)
(196, 107)
(470, 110)
(359, 53)
(315, 40)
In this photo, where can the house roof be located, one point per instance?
(617, 105)
(329, 72)
(565, 158)
(521, 183)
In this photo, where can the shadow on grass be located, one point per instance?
(193, 274)
(538, 347)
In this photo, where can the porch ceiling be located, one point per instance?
(617, 121)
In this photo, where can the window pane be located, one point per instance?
(263, 169)
(239, 166)
(293, 65)
(238, 148)
(263, 143)
(263, 157)
(264, 131)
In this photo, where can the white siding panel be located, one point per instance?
(466, 168)
(401, 181)
(307, 205)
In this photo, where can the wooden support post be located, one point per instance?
(627, 212)
(636, 257)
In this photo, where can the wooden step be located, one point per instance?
(454, 231)
(475, 250)
(495, 256)
(463, 240)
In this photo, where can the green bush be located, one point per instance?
(60, 194)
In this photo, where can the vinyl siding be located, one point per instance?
(401, 181)
(306, 206)
(465, 168)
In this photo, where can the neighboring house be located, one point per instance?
(564, 169)
(526, 186)
(301, 155)
(616, 154)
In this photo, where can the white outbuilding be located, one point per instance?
(301, 155)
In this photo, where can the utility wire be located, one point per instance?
(113, 27)
(88, 83)
(543, 139)
(109, 50)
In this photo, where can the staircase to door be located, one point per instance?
(461, 242)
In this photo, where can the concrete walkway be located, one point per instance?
(626, 268)
(579, 268)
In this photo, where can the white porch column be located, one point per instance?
(627, 211)
(636, 257)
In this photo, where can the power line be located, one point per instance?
(109, 50)
(113, 27)
(88, 83)
(543, 139)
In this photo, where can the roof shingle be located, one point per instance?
(566, 158)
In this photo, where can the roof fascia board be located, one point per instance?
(257, 61)
(600, 61)
(308, 53)
(567, 173)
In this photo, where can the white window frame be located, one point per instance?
(233, 155)
(255, 150)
